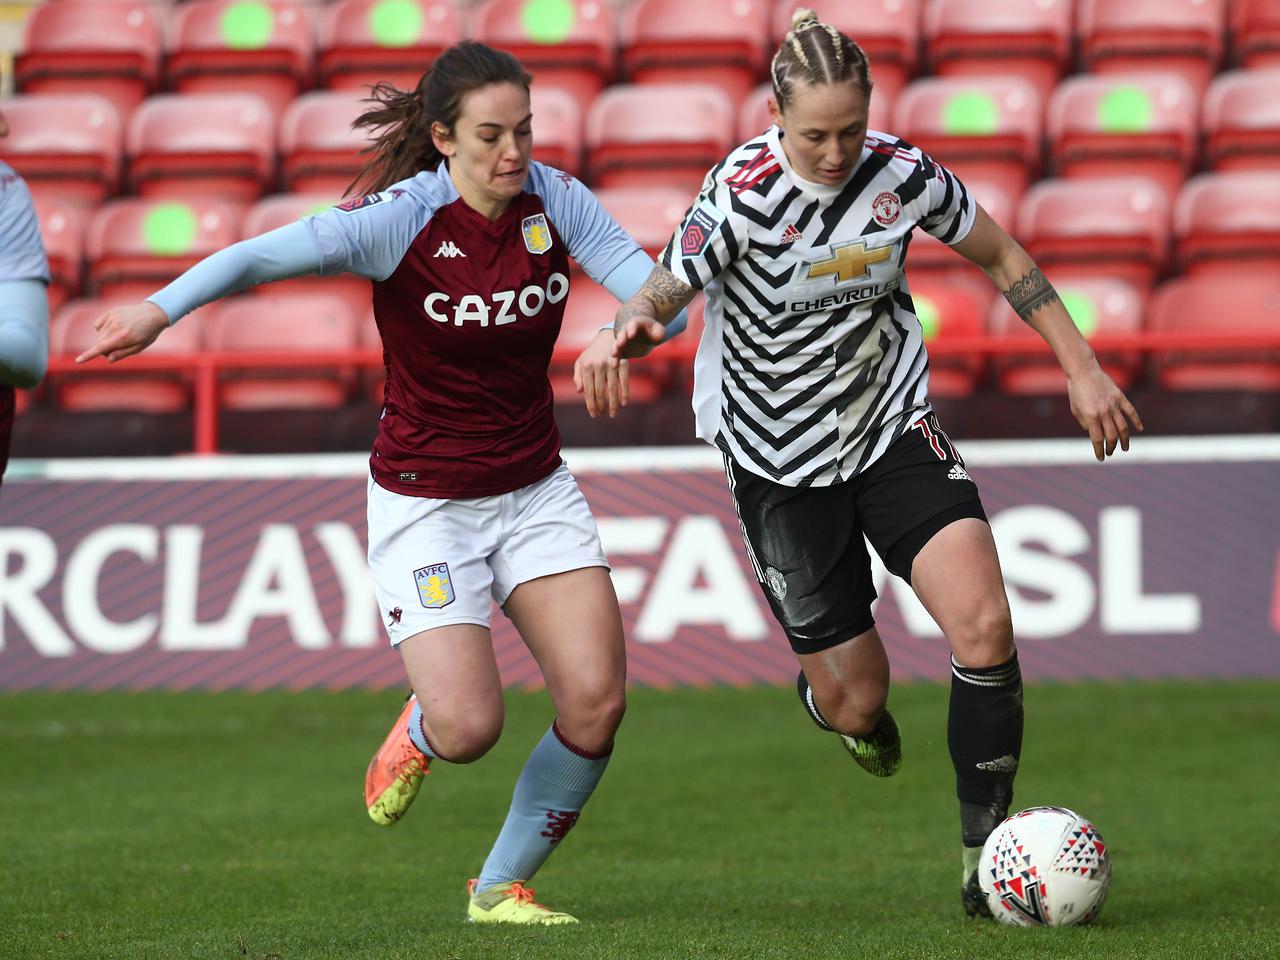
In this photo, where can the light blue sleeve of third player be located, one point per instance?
(24, 271)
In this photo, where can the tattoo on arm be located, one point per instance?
(1029, 293)
(664, 293)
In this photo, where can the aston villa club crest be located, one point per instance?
(435, 586)
(537, 234)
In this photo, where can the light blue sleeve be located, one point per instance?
(22, 255)
(625, 279)
(290, 251)
(592, 236)
(369, 236)
(24, 332)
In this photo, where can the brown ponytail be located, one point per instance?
(816, 52)
(404, 147)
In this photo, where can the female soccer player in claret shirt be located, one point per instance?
(812, 379)
(468, 243)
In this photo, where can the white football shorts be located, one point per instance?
(440, 562)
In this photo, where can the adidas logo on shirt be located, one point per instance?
(791, 234)
(957, 472)
(448, 249)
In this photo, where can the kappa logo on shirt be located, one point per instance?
(448, 249)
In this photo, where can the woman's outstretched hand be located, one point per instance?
(124, 331)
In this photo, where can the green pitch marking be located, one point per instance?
(1082, 311)
(395, 23)
(1125, 110)
(548, 21)
(247, 26)
(169, 229)
(930, 317)
(970, 114)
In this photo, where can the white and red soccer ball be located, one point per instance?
(1045, 867)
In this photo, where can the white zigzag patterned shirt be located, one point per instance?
(812, 360)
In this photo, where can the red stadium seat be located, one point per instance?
(108, 47)
(202, 144)
(71, 332)
(557, 128)
(984, 37)
(134, 246)
(319, 149)
(282, 209)
(649, 214)
(981, 127)
(588, 308)
(887, 30)
(657, 134)
(1229, 223)
(947, 311)
(1098, 306)
(62, 228)
(696, 41)
(1255, 24)
(932, 258)
(65, 145)
(1124, 124)
(1104, 228)
(753, 116)
(230, 46)
(1184, 36)
(570, 45)
(1242, 120)
(292, 325)
(1212, 305)
(363, 41)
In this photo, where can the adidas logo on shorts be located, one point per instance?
(957, 472)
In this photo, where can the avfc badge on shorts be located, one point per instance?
(435, 586)
(537, 235)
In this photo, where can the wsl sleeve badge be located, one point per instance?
(435, 586)
(360, 203)
(697, 232)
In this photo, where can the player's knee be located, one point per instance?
(852, 709)
(467, 738)
(984, 638)
(591, 718)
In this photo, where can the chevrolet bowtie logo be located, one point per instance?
(849, 260)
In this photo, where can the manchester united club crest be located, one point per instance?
(435, 586)
(886, 207)
(537, 234)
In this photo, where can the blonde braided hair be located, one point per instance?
(816, 52)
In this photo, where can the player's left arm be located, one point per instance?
(1096, 402)
(24, 332)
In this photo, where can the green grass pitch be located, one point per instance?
(228, 826)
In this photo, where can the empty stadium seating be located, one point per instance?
(108, 47)
(1229, 224)
(1099, 306)
(1184, 36)
(933, 258)
(663, 134)
(572, 46)
(1256, 27)
(202, 144)
(887, 30)
(134, 245)
(984, 37)
(981, 127)
(649, 214)
(948, 311)
(1216, 305)
(1105, 228)
(62, 229)
(1124, 124)
(319, 150)
(285, 208)
(361, 42)
(292, 325)
(67, 145)
(71, 332)
(696, 41)
(557, 128)
(231, 46)
(1242, 120)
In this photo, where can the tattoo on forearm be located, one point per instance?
(1029, 293)
(662, 291)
